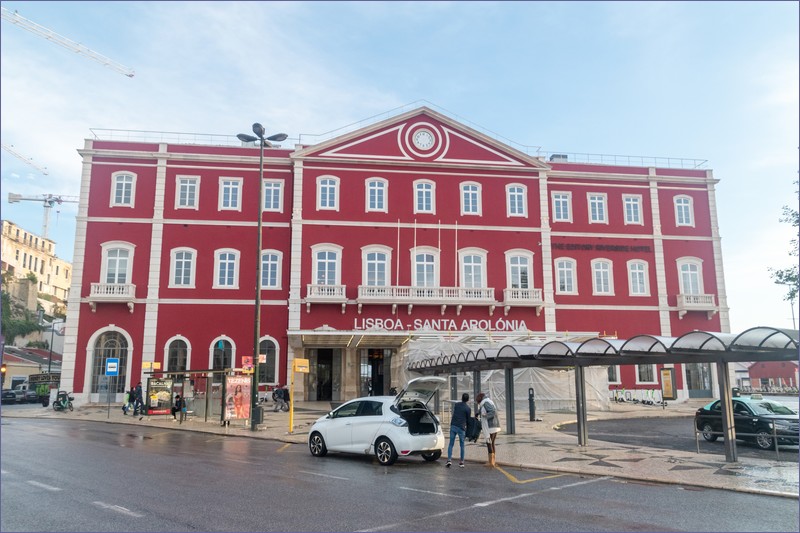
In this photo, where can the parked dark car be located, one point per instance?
(9, 396)
(756, 419)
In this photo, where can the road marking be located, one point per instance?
(239, 461)
(284, 447)
(117, 509)
(431, 492)
(403, 526)
(512, 478)
(43, 486)
(323, 475)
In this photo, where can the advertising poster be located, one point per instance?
(158, 399)
(237, 397)
(667, 381)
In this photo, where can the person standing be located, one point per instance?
(490, 424)
(458, 428)
(280, 403)
(138, 400)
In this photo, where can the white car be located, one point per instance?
(388, 426)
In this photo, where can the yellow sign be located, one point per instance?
(146, 364)
(156, 365)
(301, 365)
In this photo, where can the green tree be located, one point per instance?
(788, 276)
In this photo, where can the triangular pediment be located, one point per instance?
(422, 136)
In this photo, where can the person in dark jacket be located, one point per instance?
(177, 406)
(138, 401)
(458, 428)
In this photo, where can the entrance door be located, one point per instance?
(324, 375)
(698, 380)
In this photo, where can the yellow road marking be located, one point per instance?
(513, 479)
(284, 447)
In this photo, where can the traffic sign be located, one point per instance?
(112, 366)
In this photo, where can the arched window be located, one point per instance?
(222, 357)
(110, 344)
(268, 372)
(177, 358)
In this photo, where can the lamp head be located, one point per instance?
(278, 137)
(246, 138)
(259, 130)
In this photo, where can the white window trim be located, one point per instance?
(172, 267)
(618, 381)
(602, 195)
(524, 188)
(425, 250)
(196, 180)
(274, 341)
(385, 184)
(480, 252)
(279, 273)
(326, 247)
(214, 344)
(574, 269)
(188, 352)
(690, 261)
(519, 252)
(646, 277)
(114, 176)
(336, 192)
(236, 268)
(376, 248)
(690, 224)
(240, 201)
(568, 194)
(638, 198)
(478, 193)
(594, 263)
(655, 375)
(113, 245)
(264, 208)
(416, 184)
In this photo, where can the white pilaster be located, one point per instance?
(548, 289)
(719, 272)
(658, 250)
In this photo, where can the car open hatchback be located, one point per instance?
(387, 426)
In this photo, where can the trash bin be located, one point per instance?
(735, 392)
(258, 414)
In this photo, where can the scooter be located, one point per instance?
(63, 401)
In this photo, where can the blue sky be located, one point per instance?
(700, 80)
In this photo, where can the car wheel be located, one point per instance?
(316, 444)
(432, 456)
(708, 433)
(385, 452)
(763, 439)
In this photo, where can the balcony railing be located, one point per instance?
(523, 298)
(411, 296)
(112, 293)
(697, 302)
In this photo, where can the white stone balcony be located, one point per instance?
(697, 302)
(325, 294)
(523, 298)
(411, 296)
(112, 293)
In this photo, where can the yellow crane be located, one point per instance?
(47, 200)
(69, 44)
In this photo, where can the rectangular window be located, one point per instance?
(637, 273)
(473, 272)
(423, 198)
(633, 209)
(565, 273)
(117, 266)
(123, 190)
(270, 264)
(470, 199)
(227, 270)
(376, 195)
(273, 196)
(230, 192)
(561, 207)
(602, 278)
(613, 375)
(645, 374)
(683, 211)
(516, 201)
(424, 273)
(519, 272)
(376, 269)
(327, 194)
(186, 198)
(326, 268)
(183, 269)
(597, 208)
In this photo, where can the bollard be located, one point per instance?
(531, 404)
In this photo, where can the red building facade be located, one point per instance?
(415, 226)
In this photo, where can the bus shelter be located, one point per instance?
(752, 345)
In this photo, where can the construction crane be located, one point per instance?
(28, 160)
(50, 35)
(48, 201)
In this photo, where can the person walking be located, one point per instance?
(490, 424)
(126, 401)
(280, 402)
(138, 400)
(458, 428)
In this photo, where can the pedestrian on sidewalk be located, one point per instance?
(458, 428)
(490, 423)
(138, 400)
(126, 401)
(280, 399)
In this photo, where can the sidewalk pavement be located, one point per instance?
(536, 445)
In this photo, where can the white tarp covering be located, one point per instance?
(554, 389)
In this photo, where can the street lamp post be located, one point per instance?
(259, 130)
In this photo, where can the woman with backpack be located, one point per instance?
(490, 422)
